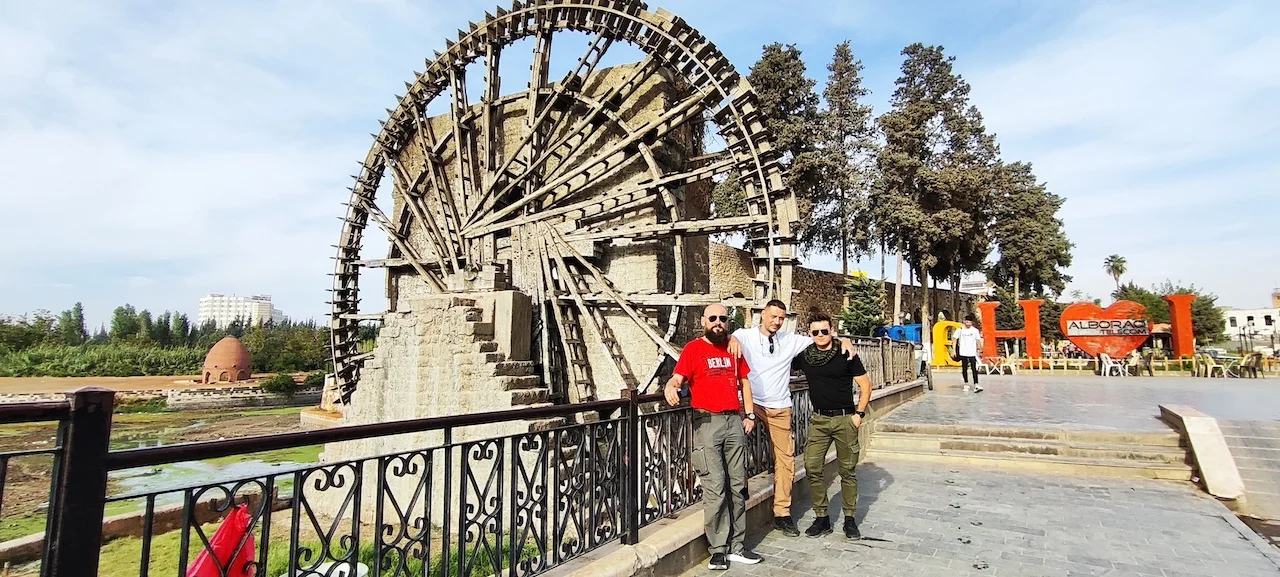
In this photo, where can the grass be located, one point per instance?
(307, 454)
(21, 526)
(152, 405)
(122, 557)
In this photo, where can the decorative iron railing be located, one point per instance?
(462, 502)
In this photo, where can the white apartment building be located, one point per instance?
(1254, 322)
(225, 309)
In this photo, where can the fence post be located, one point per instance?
(886, 361)
(76, 509)
(632, 465)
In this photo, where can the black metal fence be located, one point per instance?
(459, 503)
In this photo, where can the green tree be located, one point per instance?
(789, 106)
(124, 323)
(179, 330)
(1028, 233)
(24, 332)
(160, 329)
(71, 330)
(936, 168)
(145, 327)
(1208, 324)
(1157, 308)
(1115, 266)
(1009, 314)
(864, 309)
(840, 223)
(100, 337)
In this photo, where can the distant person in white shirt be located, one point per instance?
(769, 354)
(968, 342)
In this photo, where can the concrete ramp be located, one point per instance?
(1256, 448)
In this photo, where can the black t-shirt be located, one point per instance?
(831, 384)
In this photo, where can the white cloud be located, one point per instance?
(206, 146)
(157, 155)
(1158, 125)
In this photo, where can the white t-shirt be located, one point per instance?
(770, 372)
(966, 341)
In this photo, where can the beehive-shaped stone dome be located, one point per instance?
(227, 362)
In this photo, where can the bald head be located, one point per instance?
(715, 323)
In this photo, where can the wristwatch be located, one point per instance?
(750, 416)
(862, 414)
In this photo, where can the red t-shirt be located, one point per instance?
(713, 375)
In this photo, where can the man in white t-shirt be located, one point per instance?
(769, 354)
(968, 343)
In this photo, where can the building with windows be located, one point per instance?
(222, 310)
(1255, 326)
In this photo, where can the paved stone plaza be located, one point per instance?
(923, 520)
(937, 519)
(1088, 402)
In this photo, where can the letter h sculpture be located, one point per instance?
(1030, 329)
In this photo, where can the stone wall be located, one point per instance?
(732, 271)
(440, 357)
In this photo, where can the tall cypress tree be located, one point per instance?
(71, 329)
(936, 168)
(840, 220)
(789, 106)
(1028, 233)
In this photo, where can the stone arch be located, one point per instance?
(222, 377)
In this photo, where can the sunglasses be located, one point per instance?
(823, 332)
(718, 318)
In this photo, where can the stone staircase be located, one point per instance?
(517, 380)
(1103, 453)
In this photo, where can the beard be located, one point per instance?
(718, 337)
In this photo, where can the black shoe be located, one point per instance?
(746, 557)
(821, 526)
(786, 525)
(851, 529)
(718, 562)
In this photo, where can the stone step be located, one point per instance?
(522, 397)
(536, 425)
(911, 441)
(479, 358)
(477, 328)
(486, 347)
(513, 369)
(1039, 463)
(520, 382)
(1154, 439)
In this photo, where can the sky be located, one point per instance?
(155, 152)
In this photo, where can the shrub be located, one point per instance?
(315, 379)
(281, 384)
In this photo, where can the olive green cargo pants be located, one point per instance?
(823, 431)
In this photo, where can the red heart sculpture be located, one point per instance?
(1116, 330)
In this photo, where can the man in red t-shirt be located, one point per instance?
(720, 431)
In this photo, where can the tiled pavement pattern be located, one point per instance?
(1087, 402)
(1255, 445)
(951, 522)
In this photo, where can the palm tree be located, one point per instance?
(1115, 266)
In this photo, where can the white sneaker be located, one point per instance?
(746, 557)
(977, 389)
(966, 388)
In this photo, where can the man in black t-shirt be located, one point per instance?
(836, 418)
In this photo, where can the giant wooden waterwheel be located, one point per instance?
(557, 183)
